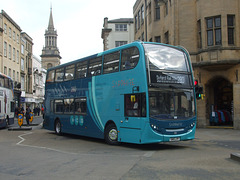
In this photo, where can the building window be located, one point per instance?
(9, 72)
(14, 54)
(166, 8)
(157, 10)
(150, 13)
(136, 22)
(121, 27)
(17, 76)
(13, 77)
(22, 64)
(22, 83)
(49, 65)
(17, 38)
(14, 35)
(139, 16)
(142, 14)
(166, 37)
(10, 52)
(199, 34)
(120, 43)
(142, 36)
(10, 32)
(5, 49)
(5, 28)
(214, 34)
(158, 39)
(5, 70)
(22, 48)
(231, 24)
(17, 56)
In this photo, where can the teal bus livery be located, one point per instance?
(139, 93)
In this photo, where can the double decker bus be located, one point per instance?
(137, 93)
(7, 105)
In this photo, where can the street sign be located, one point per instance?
(20, 119)
(31, 117)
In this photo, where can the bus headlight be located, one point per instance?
(192, 125)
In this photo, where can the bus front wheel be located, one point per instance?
(111, 134)
(58, 127)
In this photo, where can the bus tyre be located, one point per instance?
(111, 134)
(58, 129)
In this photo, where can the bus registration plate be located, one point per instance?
(174, 139)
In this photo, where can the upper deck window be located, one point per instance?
(129, 58)
(69, 72)
(165, 58)
(95, 66)
(59, 75)
(50, 76)
(81, 69)
(111, 63)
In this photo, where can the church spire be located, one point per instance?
(50, 53)
(50, 24)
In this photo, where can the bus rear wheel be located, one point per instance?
(111, 134)
(58, 129)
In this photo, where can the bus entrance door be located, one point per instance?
(134, 111)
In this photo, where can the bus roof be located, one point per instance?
(135, 43)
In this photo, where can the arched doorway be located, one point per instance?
(221, 102)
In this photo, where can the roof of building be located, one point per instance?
(11, 20)
(122, 20)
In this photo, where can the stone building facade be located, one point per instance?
(10, 52)
(209, 30)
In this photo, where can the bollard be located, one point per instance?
(20, 120)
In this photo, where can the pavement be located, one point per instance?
(221, 136)
(37, 121)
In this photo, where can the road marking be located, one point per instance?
(20, 143)
(39, 147)
(149, 154)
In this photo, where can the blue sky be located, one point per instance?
(78, 22)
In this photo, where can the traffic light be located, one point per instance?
(198, 90)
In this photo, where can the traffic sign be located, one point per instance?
(20, 119)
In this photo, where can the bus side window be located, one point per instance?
(95, 66)
(111, 63)
(51, 105)
(50, 76)
(135, 105)
(68, 105)
(129, 58)
(69, 72)
(12, 106)
(59, 75)
(81, 105)
(58, 106)
(81, 69)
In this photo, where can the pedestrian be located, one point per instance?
(28, 110)
(38, 110)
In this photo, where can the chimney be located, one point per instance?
(105, 25)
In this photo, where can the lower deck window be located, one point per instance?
(70, 106)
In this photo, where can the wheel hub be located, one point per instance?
(113, 134)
